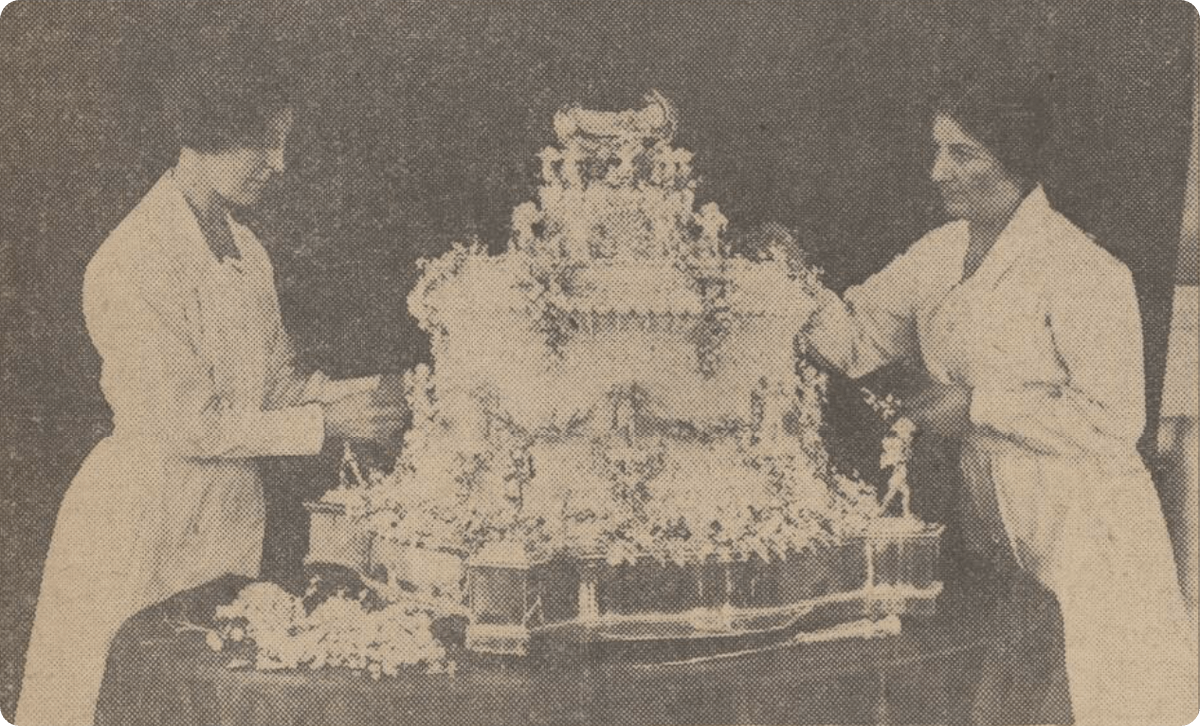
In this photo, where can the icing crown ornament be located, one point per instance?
(656, 122)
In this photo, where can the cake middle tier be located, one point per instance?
(556, 355)
(499, 359)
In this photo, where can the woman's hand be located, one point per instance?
(941, 409)
(365, 416)
(815, 333)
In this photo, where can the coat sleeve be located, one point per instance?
(1100, 409)
(160, 385)
(874, 323)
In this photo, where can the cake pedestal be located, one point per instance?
(648, 607)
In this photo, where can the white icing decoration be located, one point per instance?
(615, 382)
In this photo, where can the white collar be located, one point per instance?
(185, 223)
(1025, 232)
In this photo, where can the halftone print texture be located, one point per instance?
(434, 361)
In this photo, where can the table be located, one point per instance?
(925, 675)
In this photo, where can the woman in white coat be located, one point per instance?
(196, 365)
(1031, 336)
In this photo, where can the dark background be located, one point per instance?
(418, 126)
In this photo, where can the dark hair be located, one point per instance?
(221, 100)
(1008, 114)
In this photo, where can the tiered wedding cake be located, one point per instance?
(618, 433)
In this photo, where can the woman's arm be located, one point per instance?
(874, 323)
(1097, 330)
(160, 386)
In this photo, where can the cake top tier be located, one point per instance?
(616, 188)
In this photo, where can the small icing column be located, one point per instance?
(771, 433)
(712, 226)
(574, 208)
(571, 177)
(551, 162)
(524, 216)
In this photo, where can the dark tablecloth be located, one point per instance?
(928, 674)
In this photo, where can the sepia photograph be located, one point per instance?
(572, 362)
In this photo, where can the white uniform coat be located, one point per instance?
(1048, 337)
(196, 367)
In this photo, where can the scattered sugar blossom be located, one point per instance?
(341, 631)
